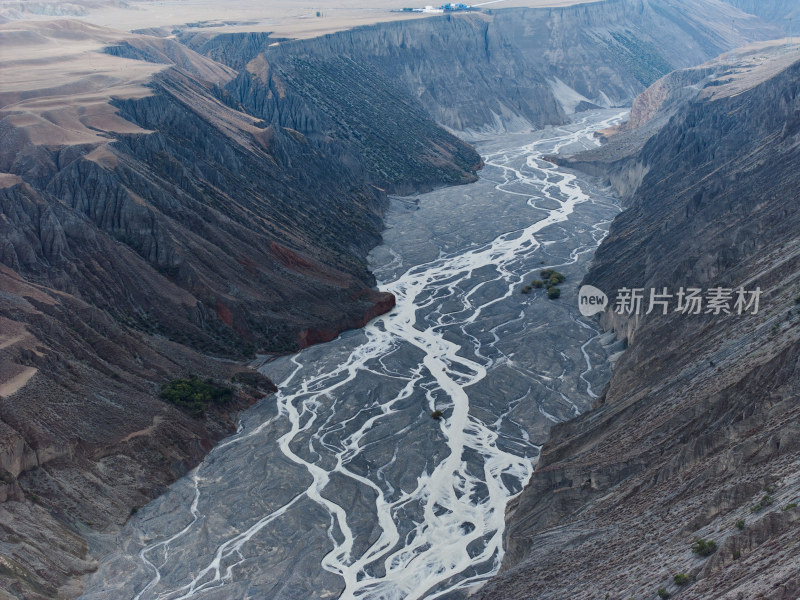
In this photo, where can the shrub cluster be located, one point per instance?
(550, 278)
(681, 579)
(195, 395)
(704, 547)
(765, 501)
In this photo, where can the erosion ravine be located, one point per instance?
(342, 484)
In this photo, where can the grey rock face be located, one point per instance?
(206, 231)
(697, 429)
(343, 484)
(508, 69)
(238, 216)
(774, 11)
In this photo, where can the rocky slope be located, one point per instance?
(696, 436)
(620, 160)
(505, 69)
(146, 225)
(774, 11)
(222, 216)
(84, 438)
(159, 206)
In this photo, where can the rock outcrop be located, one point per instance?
(500, 70)
(84, 439)
(774, 11)
(696, 436)
(159, 207)
(146, 226)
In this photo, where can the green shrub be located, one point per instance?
(740, 524)
(704, 547)
(765, 501)
(437, 414)
(552, 276)
(195, 395)
(681, 579)
(736, 555)
(553, 293)
(526, 289)
(663, 593)
(790, 506)
(537, 283)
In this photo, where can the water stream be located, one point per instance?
(343, 485)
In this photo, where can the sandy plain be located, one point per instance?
(286, 18)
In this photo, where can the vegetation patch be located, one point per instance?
(740, 524)
(663, 593)
(680, 579)
(195, 395)
(703, 547)
(548, 274)
(765, 501)
(437, 414)
(550, 278)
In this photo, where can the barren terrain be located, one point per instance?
(284, 18)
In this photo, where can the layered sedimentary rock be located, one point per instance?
(262, 230)
(159, 206)
(145, 226)
(506, 69)
(84, 438)
(696, 436)
(776, 11)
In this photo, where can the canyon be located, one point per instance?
(175, 201)
(350, 483)
(696, 435)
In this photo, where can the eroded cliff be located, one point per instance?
(500, 70)
(160, 206)
(696, 436)
(147, 226)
